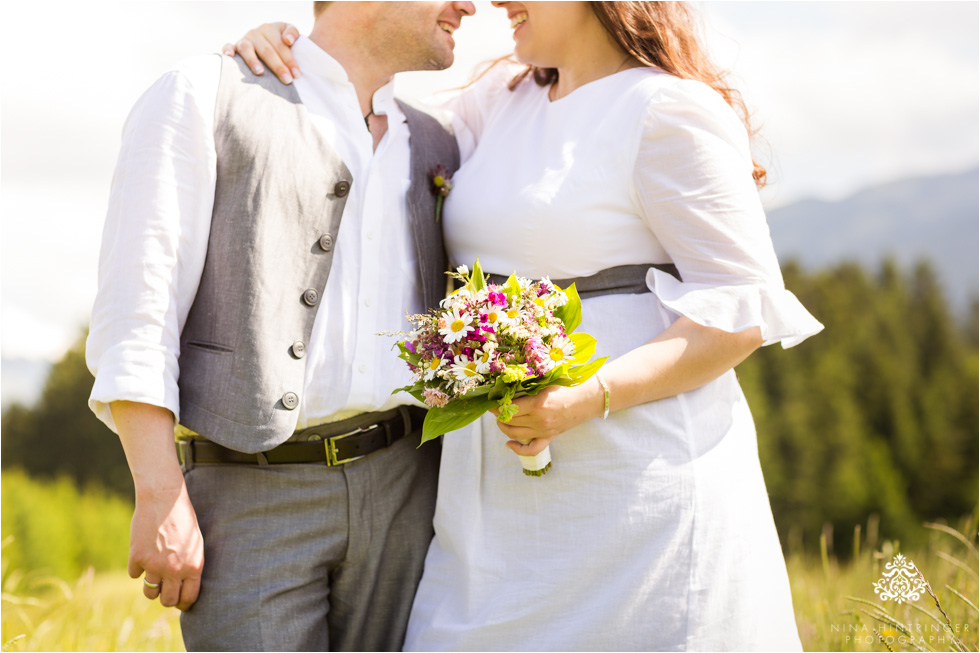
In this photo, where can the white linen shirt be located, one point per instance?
(156, 236)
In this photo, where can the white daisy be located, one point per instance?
(560, 350)
(457, 326)
(456, 299)
(465, 370)
(498, 317)
(555, 299)
(509, 316)
(431, 368)
(482, 360)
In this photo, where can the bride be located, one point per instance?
(617, 151)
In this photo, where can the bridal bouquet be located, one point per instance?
(490, 343)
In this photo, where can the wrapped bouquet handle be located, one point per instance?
(536, 465)
(488, 343)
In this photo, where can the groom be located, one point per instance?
(258, 236)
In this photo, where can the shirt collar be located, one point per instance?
(313, 60)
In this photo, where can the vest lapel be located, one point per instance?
(431, 145)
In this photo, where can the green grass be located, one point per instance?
(106, 611)
(837, 608)
(51, 526)
(102, 611)
(84, 535)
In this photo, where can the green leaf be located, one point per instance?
(478, 392)
(477, 281)
(414, 390)
(500, 389)
(571, 313)
(581, 373)
(407, 354)
(512, 288)
(454, 415)
(534, 386)
(584, 347)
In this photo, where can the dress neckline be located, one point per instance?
(593, 83)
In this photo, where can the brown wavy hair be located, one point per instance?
(662, 35)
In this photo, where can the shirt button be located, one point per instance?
(311, 297)
(341, 189)
(326, 242)
(370, 235)
(298, 349)
(290, 400)
(362, 368)
(367, 302)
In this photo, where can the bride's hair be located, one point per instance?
(662, 35)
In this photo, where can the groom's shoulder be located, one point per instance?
(200, 71)
(419, 112)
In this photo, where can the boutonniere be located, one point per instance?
(441, 185)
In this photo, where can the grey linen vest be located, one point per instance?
(279, 198)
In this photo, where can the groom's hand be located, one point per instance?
(165, 544)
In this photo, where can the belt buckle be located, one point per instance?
(331, 447)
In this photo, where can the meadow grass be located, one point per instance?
(102, 611)
(833, 596)
(837, 608)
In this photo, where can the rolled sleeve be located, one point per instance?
(154, 241)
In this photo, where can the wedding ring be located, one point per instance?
(152, 586)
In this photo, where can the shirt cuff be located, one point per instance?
(776, 311)
(139, 376)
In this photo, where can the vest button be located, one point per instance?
(290, 400)
(311, 297)
(341, 189)
(326, 242)
(298, 349)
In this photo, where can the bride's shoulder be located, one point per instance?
(668, 100)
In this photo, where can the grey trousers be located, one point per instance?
(310, 557)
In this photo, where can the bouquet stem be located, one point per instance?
(536, 465)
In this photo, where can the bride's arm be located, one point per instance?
(684, 357)
(271, 43)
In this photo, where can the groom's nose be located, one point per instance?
(465, 8)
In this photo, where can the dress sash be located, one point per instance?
(619, 280)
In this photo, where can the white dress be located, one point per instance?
(653, 530)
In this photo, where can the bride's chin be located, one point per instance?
(522, 56)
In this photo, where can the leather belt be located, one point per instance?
(331, 444)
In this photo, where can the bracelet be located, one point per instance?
(605, 395)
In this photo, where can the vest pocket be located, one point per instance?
(211, 347)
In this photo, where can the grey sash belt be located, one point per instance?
(620, 280)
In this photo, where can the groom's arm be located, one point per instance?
(153, 251)
(165, 539)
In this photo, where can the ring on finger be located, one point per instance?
(152, 586)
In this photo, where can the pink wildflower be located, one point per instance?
(435, 398)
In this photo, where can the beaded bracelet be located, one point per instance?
(605, 395)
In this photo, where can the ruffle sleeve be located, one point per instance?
(693, 187)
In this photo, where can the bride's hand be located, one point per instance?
(271, 43)
(543, 417)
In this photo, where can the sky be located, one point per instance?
(846, 94)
